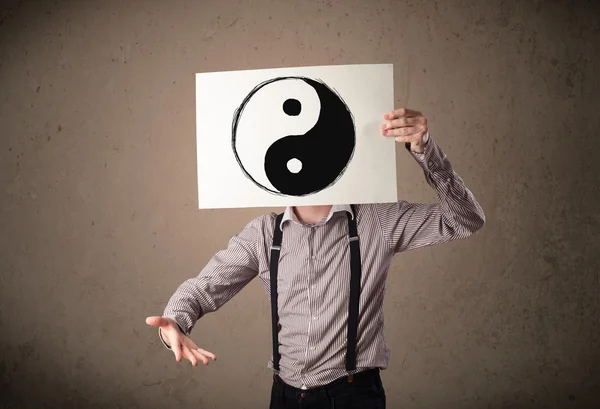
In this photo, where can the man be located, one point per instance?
(328, 266)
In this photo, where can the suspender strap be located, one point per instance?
(273, 266)
(355, 273)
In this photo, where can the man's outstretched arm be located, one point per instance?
(225, 275)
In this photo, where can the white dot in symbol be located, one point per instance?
(294, 165)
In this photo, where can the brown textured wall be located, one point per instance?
(98, 203)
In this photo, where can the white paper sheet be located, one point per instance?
(295, 136)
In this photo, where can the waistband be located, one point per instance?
(364, 378)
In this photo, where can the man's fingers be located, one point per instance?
(192, 345)
(155, 321)
(176, 347)
(402, 112)
(411, 130)
(190, 356)
(208, 354)
(182, 346)
(158, 321)
(200, 357)
(404, 122)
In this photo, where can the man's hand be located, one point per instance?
(179, 343)
(407, 126)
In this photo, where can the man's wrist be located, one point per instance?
(423, 146)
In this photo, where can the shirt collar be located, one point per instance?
(290, 215)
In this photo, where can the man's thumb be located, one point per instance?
(158, 321)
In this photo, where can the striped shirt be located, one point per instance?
(314, 272)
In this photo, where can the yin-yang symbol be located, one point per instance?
(293, 136)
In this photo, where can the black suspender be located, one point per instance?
(355, 272)
(273, 266)
(355, 276)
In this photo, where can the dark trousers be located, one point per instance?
(364, 392)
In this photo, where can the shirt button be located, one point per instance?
(315, 318)
(303, 395)
(314, 258)
(313, 286)
(430, 163)
(312, 348)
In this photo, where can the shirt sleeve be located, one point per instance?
(227, 272)
(457, 214)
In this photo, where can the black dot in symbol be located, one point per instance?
(292, 107)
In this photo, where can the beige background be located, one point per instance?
(99, 223)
